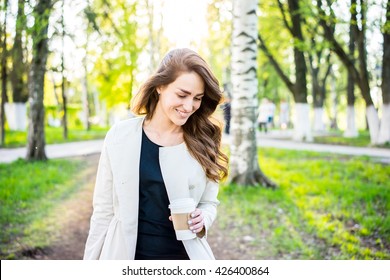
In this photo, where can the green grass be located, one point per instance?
(28, 190)
(55, 135)
(326, 207)
(336, 138)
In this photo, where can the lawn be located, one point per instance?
(326, 207)
(28, 191)
(335, 137)
(55, 135)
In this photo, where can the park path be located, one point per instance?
(276, 139)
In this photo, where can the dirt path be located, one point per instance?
(74, 215)
(71, 218)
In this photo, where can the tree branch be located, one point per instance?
(275, 64)
(284, 17)
(335, 46)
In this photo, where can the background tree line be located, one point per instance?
(317, 54)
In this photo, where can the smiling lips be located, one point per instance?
(183, 114)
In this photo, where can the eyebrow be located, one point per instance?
(188, 92)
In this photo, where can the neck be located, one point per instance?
(162, 127)
(162, 132)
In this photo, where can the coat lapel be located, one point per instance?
(174, 166)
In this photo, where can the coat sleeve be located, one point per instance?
(208, 204)
(103, 211)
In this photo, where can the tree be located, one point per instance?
(36, 133)
(244, 166)
(319, 58)
(218, 44)
(384, 131)
(351, 130)
(18, 75)
(271, 86)
(85, 90)
(318, 85)
(302, 130)
(361, 77)
(63, 93)
(3, 40)
(121, 46)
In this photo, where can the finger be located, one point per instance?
(196, 224)
(197, 220)
(196, 213)
(197, 217)
(197, 227)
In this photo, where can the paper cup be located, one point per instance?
(181, 210)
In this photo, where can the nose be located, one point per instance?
(187, 104)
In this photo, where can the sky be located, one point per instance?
(184, 21)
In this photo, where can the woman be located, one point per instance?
(172, 151)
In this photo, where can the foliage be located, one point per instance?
(28, 190)
(116, 58)
(280, 46)
(327, 207)
(218, 54)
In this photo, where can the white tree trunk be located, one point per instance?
(373, 123)
(319, 124)
(84, 97)
(16, 115)
(351, 130)
(244, 167)
(302, 127)
(384, 130)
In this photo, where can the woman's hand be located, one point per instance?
(196, 224)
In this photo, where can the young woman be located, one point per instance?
(171, 151)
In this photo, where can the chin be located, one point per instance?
(180, 122)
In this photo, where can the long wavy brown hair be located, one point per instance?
(201, 133)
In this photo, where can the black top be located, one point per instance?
(156, 236)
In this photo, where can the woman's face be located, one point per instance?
(181, 98)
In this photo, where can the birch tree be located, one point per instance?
(36, 133)
(244, 166)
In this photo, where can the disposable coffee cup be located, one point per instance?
(181, 210)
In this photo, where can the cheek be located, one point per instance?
(197, 106)
(169, 103)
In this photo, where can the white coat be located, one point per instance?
(114, 222)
